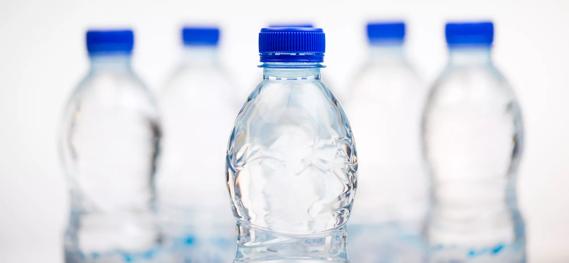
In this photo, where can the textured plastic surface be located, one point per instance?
(292, 44)
(291, 169)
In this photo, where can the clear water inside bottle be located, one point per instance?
(291, 168)
(109, 145)
(473, 137)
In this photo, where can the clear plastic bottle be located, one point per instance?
(198, 106)
(472, 132)
(385, 106)
(109, 145)
(291, 161)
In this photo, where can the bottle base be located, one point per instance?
(256, 244)
(500, 252)
(118, 256)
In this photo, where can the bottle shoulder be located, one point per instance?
(467, 85)
(379, 82)
(198, 86)
(194, 70)
(307, 103)
(470, 75)
(292, 93)
(386, 73)
(475, 98)
(476, 109)
(118, 91)
(117, 82)
(194, 74)
(292, 135)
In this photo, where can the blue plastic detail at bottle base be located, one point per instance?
(111, 41)
(459, 34)
(200, 36)
(386, 32)
(292, 44)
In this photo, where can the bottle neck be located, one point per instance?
(470, 55)
(200, 55)
(291, 70)
(111, 62)
(387, 52)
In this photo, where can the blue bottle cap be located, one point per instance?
(460, 34)
(292, 44)
(112, 41)
(388, 32)
(200, 36)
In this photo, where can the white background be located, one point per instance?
(42, 57)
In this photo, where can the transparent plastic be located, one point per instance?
(198, 107)
(109, 145)
(385, 107)
(291, 168)
(472, 132)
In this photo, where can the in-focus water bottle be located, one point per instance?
(291, 160)
(473, 135)
(198, 107)
(109, 145)
(385, 106)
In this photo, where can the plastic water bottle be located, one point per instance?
(473, 138)
(109, 144)
(385, 106)
(291, 160)
(198, 106)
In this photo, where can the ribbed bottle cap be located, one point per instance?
(200, 36)
(110, 41)
(292, 44)
(386, 32)
(469, 34)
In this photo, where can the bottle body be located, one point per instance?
(473, 136)
(385, 110)
(198, 108)
(109, 145)
(291, 168)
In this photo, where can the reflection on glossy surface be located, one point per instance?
(209, 243)
(291, 166)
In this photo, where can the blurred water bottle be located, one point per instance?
(198, 106)
(291, 161)
(109, 145)
(473, 139)
(385, 106)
